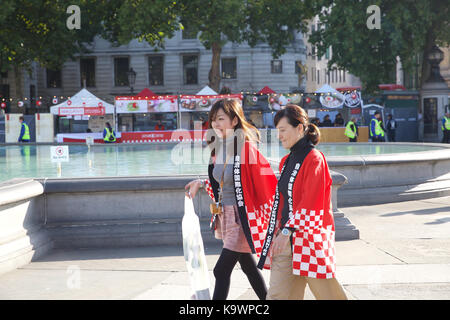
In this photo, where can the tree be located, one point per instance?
(214, 22)
(408, 30)
(252, 21)
(36, 31)
(135, 19)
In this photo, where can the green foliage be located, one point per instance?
(35, 30)
(408, 29)
(143, 20)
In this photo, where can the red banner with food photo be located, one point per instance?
(134, 104)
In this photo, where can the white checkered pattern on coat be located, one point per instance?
(314, 253)
(258, 222)
(266, 209)
(209, 189)
(306, 220)
(258, 228)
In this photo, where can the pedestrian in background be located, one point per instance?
(24, 131)
(446, 127)
(391, 126)
(327, 121)
(338, 120)
(376, 132)
(351, 130)
(109, 136)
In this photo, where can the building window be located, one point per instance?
(318, 76)
(332, 76)
(53, 78)
(190, 69)
(276, 66)
(327, 53)
(121, 67)
(229, 68)
(340, 75)
(343, 74)
(156, 70)
(87, 72)
(328, 76)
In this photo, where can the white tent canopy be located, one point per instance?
(328, 89)
(372, 105)
(333, 98)
(206, 91)
(77, 103)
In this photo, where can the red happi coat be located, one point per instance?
(254, 184)
(313, 247)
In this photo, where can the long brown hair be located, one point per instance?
(295, 116)
(232, 109)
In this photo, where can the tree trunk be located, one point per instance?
(214, 72)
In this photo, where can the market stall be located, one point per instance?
(82, 115)
(145, 112)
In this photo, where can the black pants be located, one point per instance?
(391, 136)
(224, 267)
(446, 137)
(355, 139)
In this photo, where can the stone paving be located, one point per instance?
(403, 253)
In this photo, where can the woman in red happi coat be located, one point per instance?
(299, 247)
(241, 183)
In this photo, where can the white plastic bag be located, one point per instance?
(194, 253)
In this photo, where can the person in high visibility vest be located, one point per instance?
(376, 131)
(109, 136)
(446, 128)
(24, 131)
(351, 130)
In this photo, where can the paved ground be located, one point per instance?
(403, 253)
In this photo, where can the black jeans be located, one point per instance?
(391, 135)
(224, 267)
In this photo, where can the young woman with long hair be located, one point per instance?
(242, 186)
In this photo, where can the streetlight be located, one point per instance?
(131, 78)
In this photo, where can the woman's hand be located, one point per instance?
(192, 188)
(279, 244)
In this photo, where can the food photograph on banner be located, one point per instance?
(277, 101)
(137, 113)
(194, 109)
